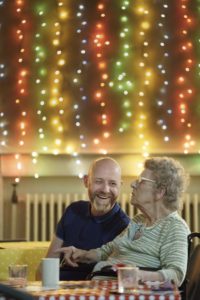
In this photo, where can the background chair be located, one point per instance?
(190, 288)
(193, 271)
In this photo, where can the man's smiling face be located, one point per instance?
(104, 184)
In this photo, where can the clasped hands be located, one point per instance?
(72, 255)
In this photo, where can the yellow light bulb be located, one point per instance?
(96, 141)
(55, 121)
(61, 62)
(58, 142)
(55, 91)
(140, 9)
(19, 166)
(55, 42)
(69, 149)
(34, 154)
(63, 14)
(55, 152)
(106, 134)
(145, 25)
(22, 125)
(53, 102)
(148, 74)
(188, 137)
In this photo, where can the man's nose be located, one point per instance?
(105, 188)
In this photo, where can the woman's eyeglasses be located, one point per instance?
(141, 178)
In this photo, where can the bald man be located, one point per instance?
(90, 224)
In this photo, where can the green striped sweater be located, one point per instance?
(163, 246)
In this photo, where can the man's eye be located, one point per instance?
(113, 183)
(98, 181)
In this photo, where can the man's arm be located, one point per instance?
(55, 244)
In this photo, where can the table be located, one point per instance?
(96, 290)
(29, 253)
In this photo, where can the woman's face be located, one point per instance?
(143, 194)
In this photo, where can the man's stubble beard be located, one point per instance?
(99, 205)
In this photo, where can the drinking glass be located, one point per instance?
(127, 278)
(18, 275)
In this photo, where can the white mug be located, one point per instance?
(50, 272)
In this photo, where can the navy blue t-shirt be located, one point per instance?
(79, 228)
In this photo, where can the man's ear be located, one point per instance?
(85, 180)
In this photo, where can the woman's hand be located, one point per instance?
(72, 255)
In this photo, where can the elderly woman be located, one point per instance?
(157, 237)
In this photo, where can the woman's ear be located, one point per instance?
(85, 180)
(160, 194)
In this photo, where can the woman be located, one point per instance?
(156, 238)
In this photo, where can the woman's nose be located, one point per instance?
(134, 184)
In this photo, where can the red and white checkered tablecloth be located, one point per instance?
(98, 290)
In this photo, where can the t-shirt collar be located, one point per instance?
(107, 216)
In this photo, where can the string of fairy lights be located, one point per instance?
(186, 88)
(75, 65)
(164, 37)
(145, 74)
(100, 43)
(80, 70)
(79, 73)
(40, 72)
(21, 92)
(122, 78)
(3, 126)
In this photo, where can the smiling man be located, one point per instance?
(90, 224)
(103, 182)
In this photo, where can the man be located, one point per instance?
(88, 225)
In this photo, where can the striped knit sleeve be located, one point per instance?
(174, 251)
(106, 250)
(128, 233)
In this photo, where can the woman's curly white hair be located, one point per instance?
(169, 174)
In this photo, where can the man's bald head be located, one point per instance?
(107, 163)
(103, 182)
